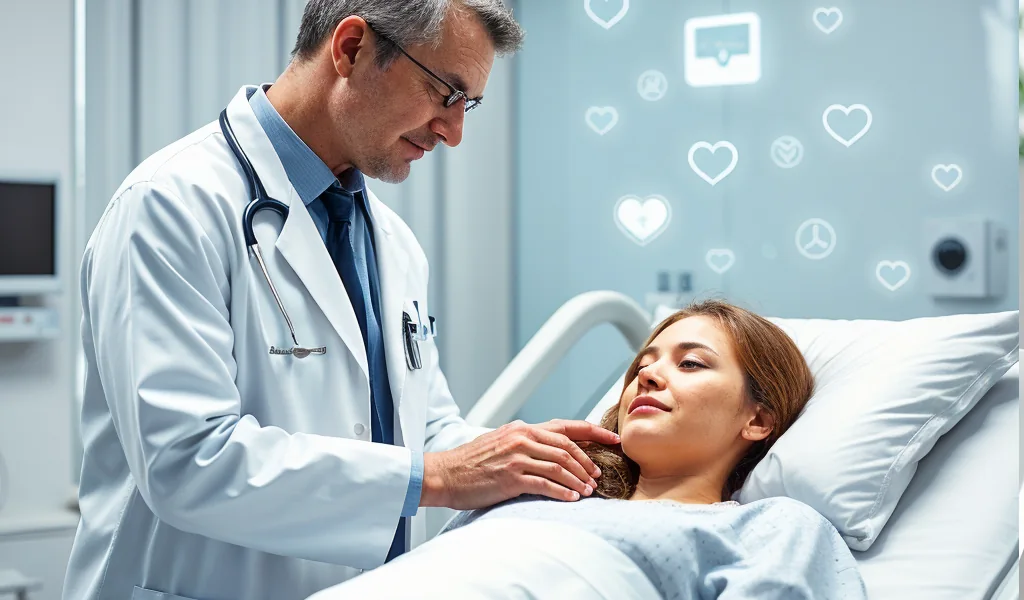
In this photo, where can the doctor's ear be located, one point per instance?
(349, 43)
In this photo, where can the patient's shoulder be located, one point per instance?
(781, 514)
(788, 527)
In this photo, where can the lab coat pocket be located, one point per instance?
(144, 594)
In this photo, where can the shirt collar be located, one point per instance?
(306, 172)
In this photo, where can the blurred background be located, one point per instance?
(850, 160)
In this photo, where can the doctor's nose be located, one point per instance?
(449, 126)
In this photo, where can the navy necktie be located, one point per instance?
(352, 267)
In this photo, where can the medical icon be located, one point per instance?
(722, 50)
(720, 260)
(614, 10)
(827, 19)
(602, 118)
(893, 274)
(947, 177)
(815, 239)
(787, 152)
(652, 85)
(690, 157)
(845, 125)
(642, 220)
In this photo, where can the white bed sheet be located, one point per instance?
(504, 558)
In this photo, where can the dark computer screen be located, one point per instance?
(27, 229)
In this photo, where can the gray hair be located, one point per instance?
(404, 22)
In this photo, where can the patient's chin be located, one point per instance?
(642, 436)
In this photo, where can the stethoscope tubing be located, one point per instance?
(259, 201)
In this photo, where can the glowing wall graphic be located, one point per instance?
(781, 155)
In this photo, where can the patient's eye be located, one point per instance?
(691, 364)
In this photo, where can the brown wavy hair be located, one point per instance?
(777, 379)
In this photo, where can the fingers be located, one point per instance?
(560, 465)
(568, 454)
(581, 430)
(542, 486)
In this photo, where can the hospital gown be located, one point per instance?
(776, 548)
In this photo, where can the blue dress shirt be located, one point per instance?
(310, 177)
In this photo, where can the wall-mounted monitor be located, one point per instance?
(29, 236)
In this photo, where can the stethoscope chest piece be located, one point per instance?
(298, 351)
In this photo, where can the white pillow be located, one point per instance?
(885, 392)
(954, 534)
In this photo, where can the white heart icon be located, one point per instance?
(822, 15)
(713, 149)
(610, 22)
(846, 111)
(720, 260)
(602, 118)
(887, 269)
(947, 169)
(642, 220)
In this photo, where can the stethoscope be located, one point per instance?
(414, 332)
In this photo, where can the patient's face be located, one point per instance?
(692, 371)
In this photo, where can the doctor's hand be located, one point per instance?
(514, 459)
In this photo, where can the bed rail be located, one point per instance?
(541, 355)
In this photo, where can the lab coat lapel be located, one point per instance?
(393, 267)
(299, 243)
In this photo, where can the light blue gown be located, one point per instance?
(771, 549)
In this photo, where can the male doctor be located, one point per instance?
(217, 468)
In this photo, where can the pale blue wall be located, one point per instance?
(937, 76)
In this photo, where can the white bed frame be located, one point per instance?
(541, 355)
(510, 391)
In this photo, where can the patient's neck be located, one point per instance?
(688, 489)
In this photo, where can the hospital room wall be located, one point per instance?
(939, 84)
(36, 137)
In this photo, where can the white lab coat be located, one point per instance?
(213, 469)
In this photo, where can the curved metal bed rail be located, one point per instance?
(541, 355)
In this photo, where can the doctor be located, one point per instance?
(220, 464)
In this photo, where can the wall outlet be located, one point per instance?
(665, 295)
(966, 257)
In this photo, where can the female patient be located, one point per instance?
(710, 392)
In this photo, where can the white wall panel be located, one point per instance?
(162, 72)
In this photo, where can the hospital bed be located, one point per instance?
(947, 538)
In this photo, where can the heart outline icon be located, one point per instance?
(610, 22)
(714, 253)
(625, 215)
(601, 111)
(847, 110)
(892, 265)
(947, 169)
(706, 146)
(822, 12)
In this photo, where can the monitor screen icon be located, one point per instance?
(723, 50)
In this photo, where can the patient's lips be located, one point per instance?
(646, 404)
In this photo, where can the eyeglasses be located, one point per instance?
(454, 94)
